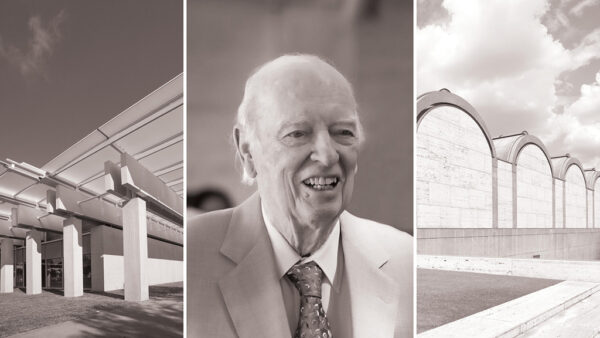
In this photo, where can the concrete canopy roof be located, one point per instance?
(151, 131)
(430, 100)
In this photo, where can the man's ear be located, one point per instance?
(242, 147)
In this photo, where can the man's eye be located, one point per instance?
(346, 132)
(296, 134)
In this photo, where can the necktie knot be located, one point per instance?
(307, 278)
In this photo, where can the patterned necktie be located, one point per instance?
(307, 279)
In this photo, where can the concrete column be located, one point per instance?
(564, 202)
(6, 266)
(553, 202)
(33, 261)
(514, 195)
(135, 250)
(494, 192)
(72, 258)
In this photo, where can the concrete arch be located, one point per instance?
(523, 141)
(430, 100)
(590, 178)
(562, 165)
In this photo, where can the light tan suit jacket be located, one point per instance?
(233, 289)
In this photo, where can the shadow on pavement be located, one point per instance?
(106, 294)
(161, 316)
(135, 320)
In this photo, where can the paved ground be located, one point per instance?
(519, 315)
(582, 320)
(93, 314)
(446, 296)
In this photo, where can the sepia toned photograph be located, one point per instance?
(507, 167)
(299, 169)
(91, 169)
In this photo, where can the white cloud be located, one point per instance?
(567, 134)
(587, 107)
(501, 58)
(39, 47)
(577, 130)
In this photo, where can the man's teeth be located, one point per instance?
(321, 182)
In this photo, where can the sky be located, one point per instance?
(69, 66)
(524, 65)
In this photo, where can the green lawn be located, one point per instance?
(445, 296)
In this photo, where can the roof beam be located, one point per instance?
(143, 154)
(25, 217)
(16, 200)
(169, 169)
(112, 179)
(67, 202)
(143, 183)
(8, 231)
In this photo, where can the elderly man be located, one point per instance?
(290, 261)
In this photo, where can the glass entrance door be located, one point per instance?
(54, 273)
(20, 275)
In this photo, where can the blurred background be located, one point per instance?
(369, 41)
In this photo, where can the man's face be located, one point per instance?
(307, 152)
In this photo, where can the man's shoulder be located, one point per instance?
(208, 225)
(205, 236)
(386, 237)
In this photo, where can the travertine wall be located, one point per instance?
(575, 198)
(453, 171)
(571, 244)
(534, 189)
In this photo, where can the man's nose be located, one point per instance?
(324, 150)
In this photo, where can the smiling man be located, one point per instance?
(290, 261)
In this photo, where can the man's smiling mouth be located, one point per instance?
(321, 182)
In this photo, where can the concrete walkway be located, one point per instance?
(582, 320)
(519, 315)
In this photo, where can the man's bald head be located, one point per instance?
(289, 80)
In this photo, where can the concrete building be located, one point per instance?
(498, 197)
(105, 214)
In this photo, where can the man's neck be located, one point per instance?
(305, 239)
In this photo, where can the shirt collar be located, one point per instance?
(286, 256)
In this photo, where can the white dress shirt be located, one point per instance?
(286, 256)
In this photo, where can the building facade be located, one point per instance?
(505, 196)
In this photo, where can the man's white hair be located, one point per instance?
(259, 83)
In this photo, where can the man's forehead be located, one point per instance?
(300, 75)
(349, 118)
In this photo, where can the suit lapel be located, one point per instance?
(252, 290)
(372, 291)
